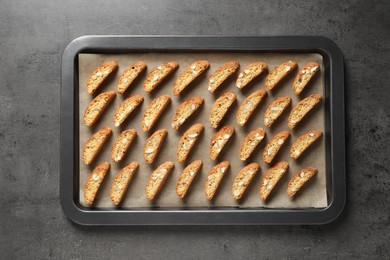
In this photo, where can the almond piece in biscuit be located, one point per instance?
(189, 75)
(243, 179)
(124, 110)
(299, 179)
(122, 144)
(251, 72)
(271, 178)
(214, 178)
(157, 179)
(94, 144)
(302, 108)
(274, 145)
(186, 178)
(122, 181)
(129, 75)
(219, 140)
(248, 106)
(158, 75)
(97, 106)
(279, 73)
(153, 145)
(304, 76)
(275, 109)
(220, 108)
(153, 112)
(185, 110)
(303, 142)
(94, 181)
(251, 141)
(187, 142)
(99, 75)
(221, 74)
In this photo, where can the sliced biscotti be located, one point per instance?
(271, 178)
(122, 181)
(187, 142)
(189, 75)
(251, 141)
(220, 108)
(94, 144)
(157, 75)
(303, 142)
(129, 75)
(299, 179)
(243, 179)
(97, 106)
(157, 179)
(99, 75)
(219, 140)
(124, 110)
(249, 105)
(94, 181)
(274, 145)
(279, 73)
(214, 178)
(302, 108)
(250, 73)
(122, 144)
(304, 76)
(153, 145)
(185, 110)
(221, 74)
(275, 109)
(153, 111)
(186, 178)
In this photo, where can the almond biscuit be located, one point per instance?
(302, 108)
(214, 178)
(158, 75)
(221, 74)
(219, 140)
(220, 108)
(129, 75)
(248, 106)
(122, 144)
(189, 75)
(124, 110)
(157, 179)
(122, 181)
(299, 179)
(94, 181)
(251, 141)
(188, 141)
(271, 178)
(97, 106)
(186, 178)
(153, 145)
(304, 76)
(274, 145)
(250, 73)
(275, 109)
(279, 73)
(99, 75)
(303, 142)
(243, 179)
(185, 110)
(94, 144)
(153, 112)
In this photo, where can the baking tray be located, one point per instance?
(334, 130)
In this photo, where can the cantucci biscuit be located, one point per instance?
(303, 142)
(251, 141)
(189, 75)
(124, 110)
(214, 178)
(274, 145)
(304, 76)
(122, 144)
(94, 144)
(243, 179)
(187, 142)
(185, 110)
(299, 179)
(153, 112)
(129, 75)
(275, 109)
(99, 75)
(279, 73)
(250, 73)
(122, 181)
(219, 140)
(221, 74)
(94, 181)
(271, 178)
(157, 179)
(97, 106)
(186, 178)
(153, 145)
(220, 108)
(248, 106)
(158, 75)
(301, 109)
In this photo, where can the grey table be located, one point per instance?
(33, 35)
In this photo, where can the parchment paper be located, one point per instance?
(313, 195)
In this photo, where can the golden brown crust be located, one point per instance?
(188, 141)
(122, 144)
(279, 73)
(275, 109)
(271, 178)
(94, 181)
(214, 178)
(124, 110)
(153, 112)
(122, 181)
(220, 108)
(186, 178)
(299, 179)
(153, 145)
(94, 144)
(157, 75)
(129, 75)
(157, 179)
(274, 145)
(248, 106)
(99, 75)
(97, 106)
(225, 71)
(219, 140)
(185, 110)
(303, 142)
(302, 109)
(188, 75)
(304, 76)
(243, 180)
(249, 73)
(251, 141)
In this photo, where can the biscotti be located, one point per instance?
(275, 109)
(221, 74)
(304, 76)
(301, 109)
(271, 178)
(129, 75)
(299, 179)
(248, 106)
(157, 179)
(99, 75)
(122, 181)
(250, 73)
(214, 178)
(158, 75)
(94, 181)
(185, 110)
(251, 141)
(219, 140)
(97, 106)
(94, 144)
(187, 142)
(220, 108)
(186, 178)
(124, 110)
(153, 112)
(279, 73)
(189, 75)
(153, 145)
(303, 142)
(122, 144)
(274, 145)
(243, 179)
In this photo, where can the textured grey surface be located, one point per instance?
(33, 35)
